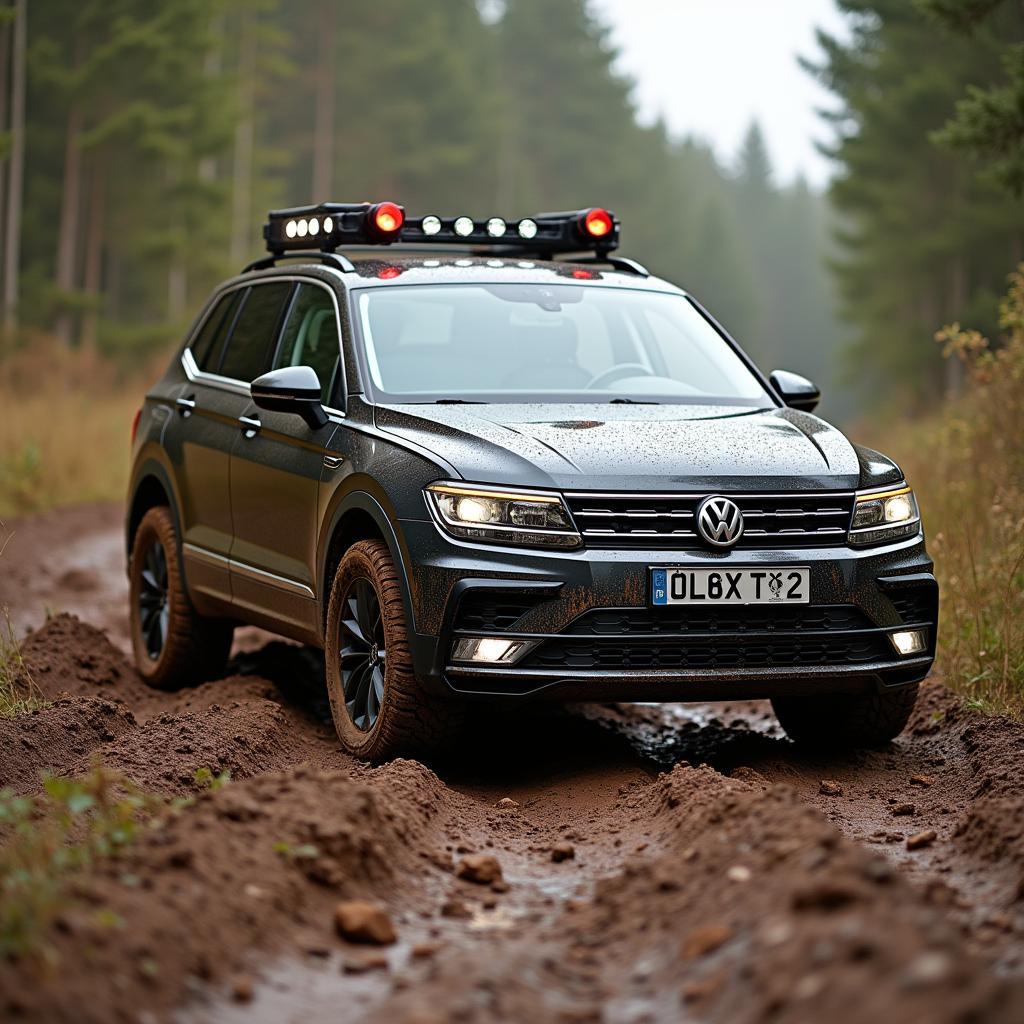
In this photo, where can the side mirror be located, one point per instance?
(291, 389)
(796, 391)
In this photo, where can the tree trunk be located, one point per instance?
(67, 231)
(92, 278)
(12, 238)
(323, 120)
(241, 212)
(5, 72)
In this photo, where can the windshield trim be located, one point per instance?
(374, 395)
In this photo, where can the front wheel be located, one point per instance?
(174, 646)
(846, 719)
(380, 711)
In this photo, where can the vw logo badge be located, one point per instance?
(719, 521)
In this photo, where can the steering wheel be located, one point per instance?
(617, 373)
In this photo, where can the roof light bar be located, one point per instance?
(331, 225)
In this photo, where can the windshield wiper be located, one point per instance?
(631, 401)
(458, 401)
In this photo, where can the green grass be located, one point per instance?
(50, 839)
(966, 463)
(18, 691)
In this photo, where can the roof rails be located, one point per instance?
(336, 259)
(333, 224)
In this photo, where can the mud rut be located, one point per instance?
(658, 863)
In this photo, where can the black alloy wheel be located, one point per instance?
(154, 611)
(362, 654)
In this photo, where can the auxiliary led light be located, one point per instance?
(527, 228)
(463, 226)
(492, 650)
(328, 225)
(301, 228)
(910, 641)
(496, 227)
(431, 225)
(314, 226)
(290, 228)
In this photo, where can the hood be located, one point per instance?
(631, 447)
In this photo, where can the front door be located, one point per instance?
(276, 466)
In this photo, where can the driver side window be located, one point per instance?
(310, 337)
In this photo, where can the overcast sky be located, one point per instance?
(710, 66)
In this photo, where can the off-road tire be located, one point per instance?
(846, 720)
(195, 649)
(410, 720)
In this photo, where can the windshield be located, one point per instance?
(547, 343)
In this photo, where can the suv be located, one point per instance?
(496, 474)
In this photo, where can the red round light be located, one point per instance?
(387, 218)
(598, 223)
(387, 273)
(582, 275)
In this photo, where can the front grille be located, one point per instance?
(669, 521)
(723, 619)
(725, 652)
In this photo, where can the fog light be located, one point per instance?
(492, 650)
(910, 641)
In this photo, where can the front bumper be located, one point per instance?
(599, 639)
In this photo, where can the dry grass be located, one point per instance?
(64, 427)
(967, 465)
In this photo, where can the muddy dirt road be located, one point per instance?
(601, 863)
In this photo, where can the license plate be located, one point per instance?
(791, 585)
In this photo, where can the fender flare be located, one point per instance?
(152, 468)
(365, 502)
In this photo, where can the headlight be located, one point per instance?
(502, 517)
(883, 516)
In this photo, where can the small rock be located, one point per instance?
(739, 873)
(924, 781)
(703, 988)
(562, 851)
(455, 908)
(423, 950)
(482, 868)
(242, 989)
(362, 964)
(506, 803)
(499, 886)
(904, 810)
(363, 921)
(829, 787)
(705, 940)
(489, 902)
(929, 968)
(919, 840)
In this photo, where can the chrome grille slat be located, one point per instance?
(665, 520)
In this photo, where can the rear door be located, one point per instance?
(276, 466)
(199, 441)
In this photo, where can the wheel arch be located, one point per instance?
(151, 487)
(359, 516)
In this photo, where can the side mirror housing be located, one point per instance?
(294, 389)
(796, 391)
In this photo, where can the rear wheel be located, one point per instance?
(380, 711)
(846, 719)
(173, 645)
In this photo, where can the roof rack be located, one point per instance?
(335, 259)
(622, 263)
(331, 225)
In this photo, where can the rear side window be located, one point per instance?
(251, 344)
(208, 343)
(310, 337)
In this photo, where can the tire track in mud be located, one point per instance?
(704, 871)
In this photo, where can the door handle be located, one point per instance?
(186, 406)
(332, 461)
(250, 427)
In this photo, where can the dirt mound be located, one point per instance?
(66, 655)
(256, 865)
(56, 739)
(243, 738)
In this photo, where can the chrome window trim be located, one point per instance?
(207, 557)
(241, 387)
